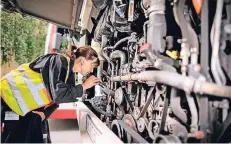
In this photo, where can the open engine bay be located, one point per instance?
(165, 69)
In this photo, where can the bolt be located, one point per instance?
(227, 28)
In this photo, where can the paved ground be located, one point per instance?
(64, 131)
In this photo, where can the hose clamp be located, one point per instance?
(189, 84)
(130, 77)
(120, 77)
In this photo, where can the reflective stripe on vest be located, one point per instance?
(23, 90)
(17, 94)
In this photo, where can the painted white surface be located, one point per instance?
(64, 131)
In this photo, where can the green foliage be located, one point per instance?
(21, 36)
(64, 44)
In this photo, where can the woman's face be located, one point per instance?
(84, 66)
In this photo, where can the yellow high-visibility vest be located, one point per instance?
(23, 89)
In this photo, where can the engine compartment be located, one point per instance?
(165, 66)
(164, 69)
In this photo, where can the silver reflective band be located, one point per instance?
(17, 94)
(34, 89)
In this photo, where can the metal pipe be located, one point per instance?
(188, 84)
(118, 54)
(105, 56)
(218, 75)
(119, 42)
(175, 105)
(215, 39)
(194, 113)
(185, 42)
(194, 45)
(145, 32)
(188, 41)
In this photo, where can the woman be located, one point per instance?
(26, 102)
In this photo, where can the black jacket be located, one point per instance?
(53, 68)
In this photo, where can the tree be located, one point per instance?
(21, 36)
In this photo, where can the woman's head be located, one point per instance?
(86, 59)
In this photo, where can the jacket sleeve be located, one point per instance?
(49, 110)
(60, 91)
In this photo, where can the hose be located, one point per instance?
(194, 113)
(215, 40)
(118, 54)
(185, 83)
(144, 30)
(194, 45)
(105, 56)
(119, 42)
(189, 41)
(175, 105)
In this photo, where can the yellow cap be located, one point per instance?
(173, 54)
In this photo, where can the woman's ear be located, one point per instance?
(81, 61)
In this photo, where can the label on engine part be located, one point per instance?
(131, 10)
(9, 115)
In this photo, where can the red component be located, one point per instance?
(63, 114)
(199, 135)
(3, 127)
(145, 46)
(197, 5)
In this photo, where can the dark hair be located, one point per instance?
(88, 53)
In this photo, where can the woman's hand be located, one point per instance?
(41, 114)
(90, 82)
